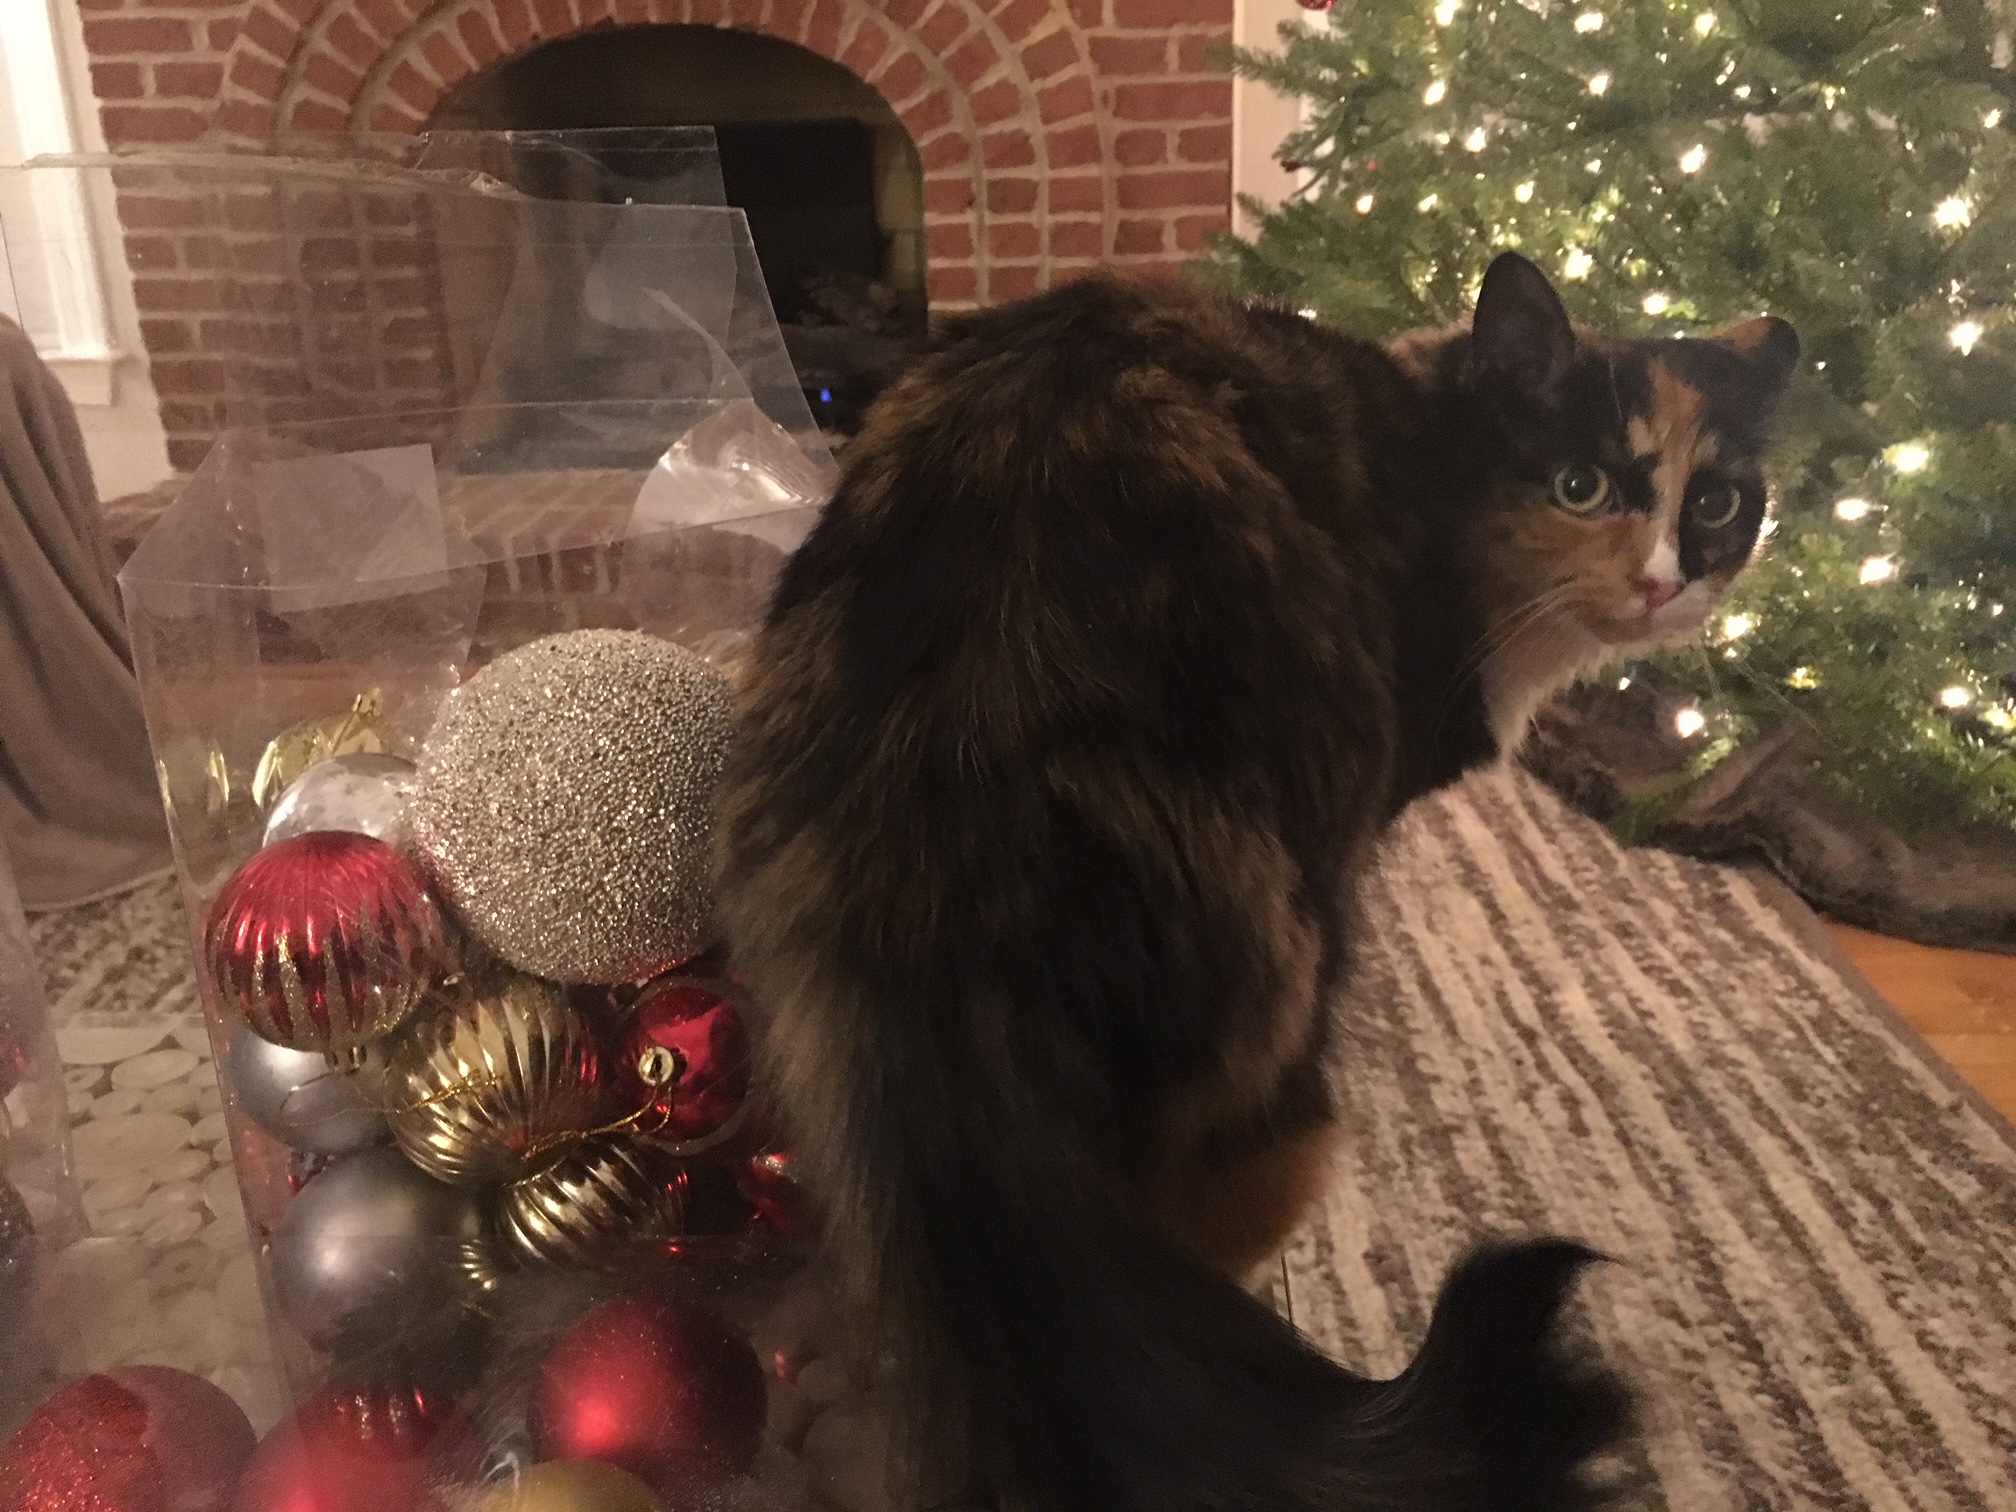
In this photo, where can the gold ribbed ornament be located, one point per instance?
(495, 1080)
(610, 1189)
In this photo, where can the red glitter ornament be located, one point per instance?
(780, 1204)
(374, 1448)
(667, 1390)
(326, 941)
(141, 1439)
(686, 1062)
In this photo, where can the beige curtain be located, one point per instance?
(80, 813)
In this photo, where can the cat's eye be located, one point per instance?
(1582, 488)
(1715, 508)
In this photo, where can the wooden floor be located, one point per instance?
(1963, 1003)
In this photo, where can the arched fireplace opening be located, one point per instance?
(825, 171)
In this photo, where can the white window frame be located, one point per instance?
(72, 329)
(1261, 119)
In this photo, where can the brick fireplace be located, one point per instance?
(1052, 134)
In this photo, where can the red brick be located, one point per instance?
(408, 84)
(396, 118)
(272, 31)
(260, 76)
(1011, 283)
(222, 34)
(163, 212)
(151, 123)
(251, 338)
(1054, 52)
(974, 60)
(822, 31)
(997, 102)
(870, 42)
(330, 254)
(1011, 196)
(1136, 148)
(638, 12)
(952, 239)
(953, 285)
(189, 375)
(477, 36)
(111, 38)
(409, 331)
(1151, 15)
(246, 118)
(1124, 57)
(1014, 239)
(1066, 101)
(901, 79)
(951, 150)
(926, 115)
(1138, 236)
(397, 252)
(1088, 193)
(351, 42)
(1075, 238)
(317, 115)
(252, 212)
(1008, 149)
(185, 416)
(1195, 100)
(514, 24)
(152, 254)
(427, 373)
(1195, 51)
(1072, 148)
(906, 13)
(949, 196)
(117, 81)
(443, 58)
(1205, 144)
(330, 75)
(204, 254)
(943, 27)
(388, 18)
(188, 81)
(555, 18)
(165, 337)
(267, 298)
(592, 12)
(262, 254)
(1193, 230)
(186, 454)
(1021, 17)
(708, 12)
(1160, 191)
(1089, 14)
(787, 18)
(274, 381)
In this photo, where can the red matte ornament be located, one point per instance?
(666, 1390)
(687, 1062)
(140, 1439)
(375, 1448)
(326, 941)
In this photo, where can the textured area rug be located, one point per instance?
(1817, 1223)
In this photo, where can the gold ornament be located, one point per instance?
(358, 730)
(565, 804)
(495, 1080)
(613, 1187)
(566, 1486)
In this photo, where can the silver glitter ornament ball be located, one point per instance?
(565, 804)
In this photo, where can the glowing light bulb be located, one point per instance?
(1736, 626)
(1306, 313)
(1955, 697)
(1877, 570)
(1692, 160)
(1992, 119)
(1852, 510)
(1428, 204)
(1994, 611)
(1704, 23)
(1599, 83)
(1589, 21)
(1950, 214)
(1911, 457)
(1964, 335)
(1802, 677)
(1476, 140)
(1741, 91)
(1445, 12)
(1623, 683)
(1999, 719)
(1656, 304)
(1689, 722)
(1578, 264)
(1362, 204)
(1524, 192)
(1434, 93)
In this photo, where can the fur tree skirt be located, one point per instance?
(1613, 754)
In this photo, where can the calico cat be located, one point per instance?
(1137, 615)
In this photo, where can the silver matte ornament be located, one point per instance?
(364, 792)
(305, 1100)
(374, 1247)
(610, 1190)
(565, 804)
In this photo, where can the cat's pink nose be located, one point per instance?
(1658, 592)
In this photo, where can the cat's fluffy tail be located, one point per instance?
(1083, 1362)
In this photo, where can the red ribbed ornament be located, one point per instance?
(326, 941)
(372, 1448)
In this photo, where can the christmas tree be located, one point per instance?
(1846, 164)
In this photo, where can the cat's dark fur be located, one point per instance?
(1137, 615)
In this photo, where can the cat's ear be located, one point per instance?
(1769, 345)
(1520, 338)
